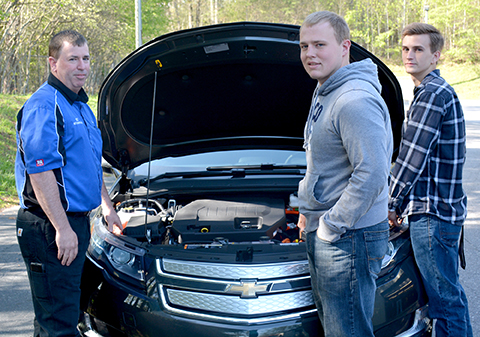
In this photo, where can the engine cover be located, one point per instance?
(204, 220)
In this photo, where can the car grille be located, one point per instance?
(235, 305)
(235, 272)
(232, 292)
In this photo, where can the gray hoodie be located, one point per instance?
(348, 143)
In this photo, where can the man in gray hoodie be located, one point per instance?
(344, 195)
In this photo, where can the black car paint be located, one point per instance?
(255, 94)
(256, 71)
(139, 312)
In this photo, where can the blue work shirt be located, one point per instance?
(56, 130)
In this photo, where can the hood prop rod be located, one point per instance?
(148, 232)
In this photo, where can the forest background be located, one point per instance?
(26, 26)
(109, 25)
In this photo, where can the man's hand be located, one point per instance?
(393, 219)
(67, 244)
(302, 223)
(111, 217)
(114, 223)
(45, 187)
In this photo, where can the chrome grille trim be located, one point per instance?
(233, 293)
(234, 305)
(235, 272)
(200, 283)
(231, 320)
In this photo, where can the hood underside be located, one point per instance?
(231, 86)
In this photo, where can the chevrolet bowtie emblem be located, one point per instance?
(248, 289)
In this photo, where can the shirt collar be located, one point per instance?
(69, 94)
(433, 74)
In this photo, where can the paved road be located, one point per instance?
(471, 275)
(16, 313)
(16, 310)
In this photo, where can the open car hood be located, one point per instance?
(230, 86)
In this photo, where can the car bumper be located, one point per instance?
(421, 327)
(399, 311)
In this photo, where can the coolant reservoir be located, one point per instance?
(127, 212)
(293, 202)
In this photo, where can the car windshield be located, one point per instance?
(202, 161)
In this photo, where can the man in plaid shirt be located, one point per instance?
(426, 182)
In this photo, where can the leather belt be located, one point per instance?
(39, 211)
(77, 214)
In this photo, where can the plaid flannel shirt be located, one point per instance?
(427, 176)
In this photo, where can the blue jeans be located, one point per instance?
(435, 246)
(343, 278)
(55, 288)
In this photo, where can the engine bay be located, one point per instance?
(205, 222)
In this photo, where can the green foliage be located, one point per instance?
(154, 19)
(9, 106)
(109, 26)
(458, 22)
(27, 27)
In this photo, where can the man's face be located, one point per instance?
(320, 52)
(417, 56)
(72, 66)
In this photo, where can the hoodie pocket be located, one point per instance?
(307, 196)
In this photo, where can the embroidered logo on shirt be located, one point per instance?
(77, 121)
(39, 162)
(20, 232)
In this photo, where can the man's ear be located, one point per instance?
(53, 64)
(436, 56)
(346, 47)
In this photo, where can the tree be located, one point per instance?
(26, 27)
(458, 21)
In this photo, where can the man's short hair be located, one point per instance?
(339, 25)
(418, 28)
(71, 36)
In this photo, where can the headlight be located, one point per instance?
(121, 257)
(124, 258)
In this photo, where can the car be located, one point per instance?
(203, 129)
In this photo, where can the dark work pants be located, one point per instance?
(55, 288)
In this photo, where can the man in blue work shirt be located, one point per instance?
(59, 180)
(426, 182)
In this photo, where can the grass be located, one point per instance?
(9, 106)
(465, 78)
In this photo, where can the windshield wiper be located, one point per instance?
(167, 175)
(262, 167)
(235, 171)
